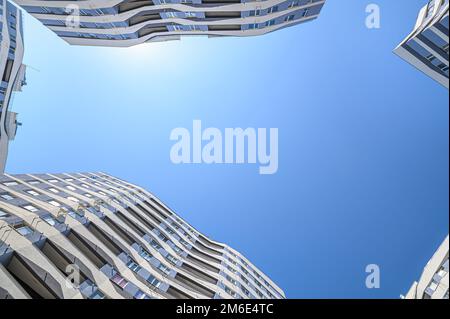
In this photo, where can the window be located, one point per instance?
(8, 69)
(133, 266)
(164, 269)
(24, 230)
(54, 203)
(73, 199)
(231, 292)
(69, 179)
(49, 220)
(6, 196)
(53, 190)
(153, 281)
(52, 181)
(273, 9)
(119, 281)
(140, 295)
(433, 286)
(3, 214)
(293, 4)
(270, 23)
(85, 185)
(154, 244)
(32, 192)
(87, 195)
(172, 259)
(35, 182)
(289, 18)
(97, 295)
(30, 208)
(10, 184)
(71, 188)
(145, 254)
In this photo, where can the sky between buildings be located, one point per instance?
(363, 141)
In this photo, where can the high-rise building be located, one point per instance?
(433, 284)
(129, 22)
(92, 235)
(426, 47)
(12, 72)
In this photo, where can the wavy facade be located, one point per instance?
(427, 47)
(122, 241)
(12, 72)
(129, 22)
(433, 284)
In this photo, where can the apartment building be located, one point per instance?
(124, 23)
(433, 284)
(91, 235)
(427, 47)
(12, 72)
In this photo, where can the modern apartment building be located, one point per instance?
(12, 72)
(95, 236)
(129, 22)
(426, 47)
(433, 284)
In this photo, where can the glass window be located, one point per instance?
(30, 208)
(140, 295)
(119, 280)
(153, 281)
(54, 203)
(24, 230)
(32, 192)
(6, 196)
(3, 214)
(10, 184)
(73, 199)
(133, 266)
(97, 295)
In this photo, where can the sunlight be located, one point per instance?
(155, 55)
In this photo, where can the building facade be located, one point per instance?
(95, 236)
(128, 22)
(427, 47)
(12, 72)
(433, 284)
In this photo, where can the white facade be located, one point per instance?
(427, 47)
(12, 72)
(433, 284)
(125, 242)
(126, 23)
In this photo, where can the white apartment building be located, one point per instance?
(427, 47)
(12, 73)
(126, 23)
(118, 239)
(433, 284)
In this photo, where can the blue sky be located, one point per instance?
(363, 138)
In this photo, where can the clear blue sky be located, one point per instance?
(363, 160)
